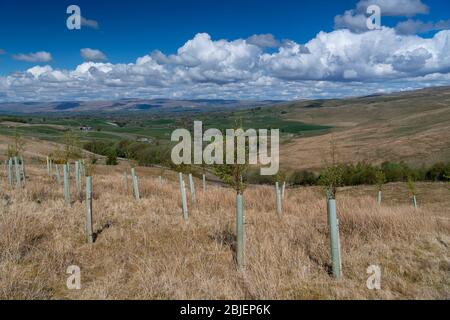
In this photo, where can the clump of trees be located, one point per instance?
(143, 153)
(362, 174)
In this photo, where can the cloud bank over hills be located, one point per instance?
(337, 63)
(347, 61)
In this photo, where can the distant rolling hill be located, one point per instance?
(130, 105)
(410, 126)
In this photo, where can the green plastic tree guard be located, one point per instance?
(278, 198)
(183, 198)
(134, 181)
(10, 173)
(133, 174)
(89, 230)
(50, 170)
(192, 188)
(240, 239)
(77, 176)
(16, 166)
(334, 239)
(57, 173)
(23, 172)
(66, 185)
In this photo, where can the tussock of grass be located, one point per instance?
(144, 249)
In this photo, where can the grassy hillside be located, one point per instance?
(144, 249)
(412, 127)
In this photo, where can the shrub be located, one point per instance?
(303, 178)
(111, 159)
(253, 176)
(332, 178)
(438, 172)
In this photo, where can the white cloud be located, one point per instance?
(38, 70)
(417, 26)
(264, 41)
(334, 64)
(399, 8)
(352, 21)
(356, 19)
(89, 23)
(41, 56)
(89, 54)
(369, 56)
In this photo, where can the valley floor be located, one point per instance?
(145, 250)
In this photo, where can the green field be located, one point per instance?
(117, 128)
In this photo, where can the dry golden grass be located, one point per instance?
(36, 150)
(145, 250)
(370, 143)
(413, 127)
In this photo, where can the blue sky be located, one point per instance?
(130, 29)
(34, 36)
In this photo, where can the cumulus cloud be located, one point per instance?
(342, 55)
(355, 19)
(41, 56)
(264, 40)
(333, 64)
(417, 26)
(352, 21)
(89, 23)
(89, 54)
(399, 8)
